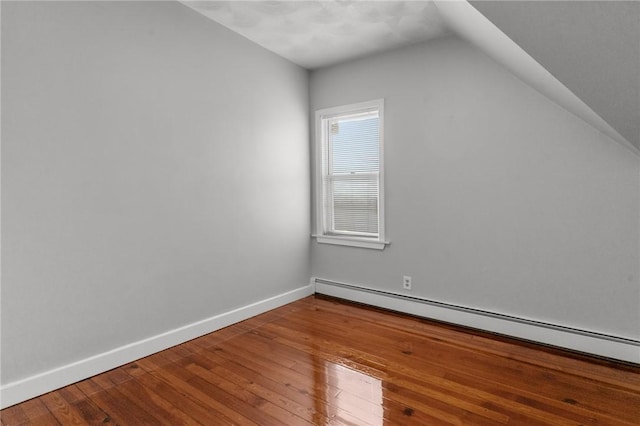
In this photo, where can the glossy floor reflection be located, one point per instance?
(357, 397)
(322, 361)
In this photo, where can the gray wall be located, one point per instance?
(154, 173)
(496, 198)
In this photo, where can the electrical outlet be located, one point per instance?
(406, 282)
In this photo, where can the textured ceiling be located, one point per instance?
(314, 34)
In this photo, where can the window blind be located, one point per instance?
(351, 181)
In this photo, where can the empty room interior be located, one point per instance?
(320, 212)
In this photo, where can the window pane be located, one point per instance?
(349, 168)
(355, 203)
(354, 144)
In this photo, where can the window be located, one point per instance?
(349, 192)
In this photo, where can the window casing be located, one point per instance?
(349, 163)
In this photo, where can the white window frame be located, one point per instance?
(321, 141)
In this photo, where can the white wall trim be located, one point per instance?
(590, 342)
(30, 387)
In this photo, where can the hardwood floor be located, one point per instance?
(325, 361)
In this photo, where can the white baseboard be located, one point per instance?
(30, 387)
(589, 342)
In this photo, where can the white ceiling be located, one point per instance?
(595, 58)
(315, 34)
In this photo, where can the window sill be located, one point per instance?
(352, 242)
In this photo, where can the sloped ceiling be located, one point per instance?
(583, 55)
(592, 47)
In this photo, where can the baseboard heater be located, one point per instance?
(595, 343)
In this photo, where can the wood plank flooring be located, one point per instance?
(323, 361)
